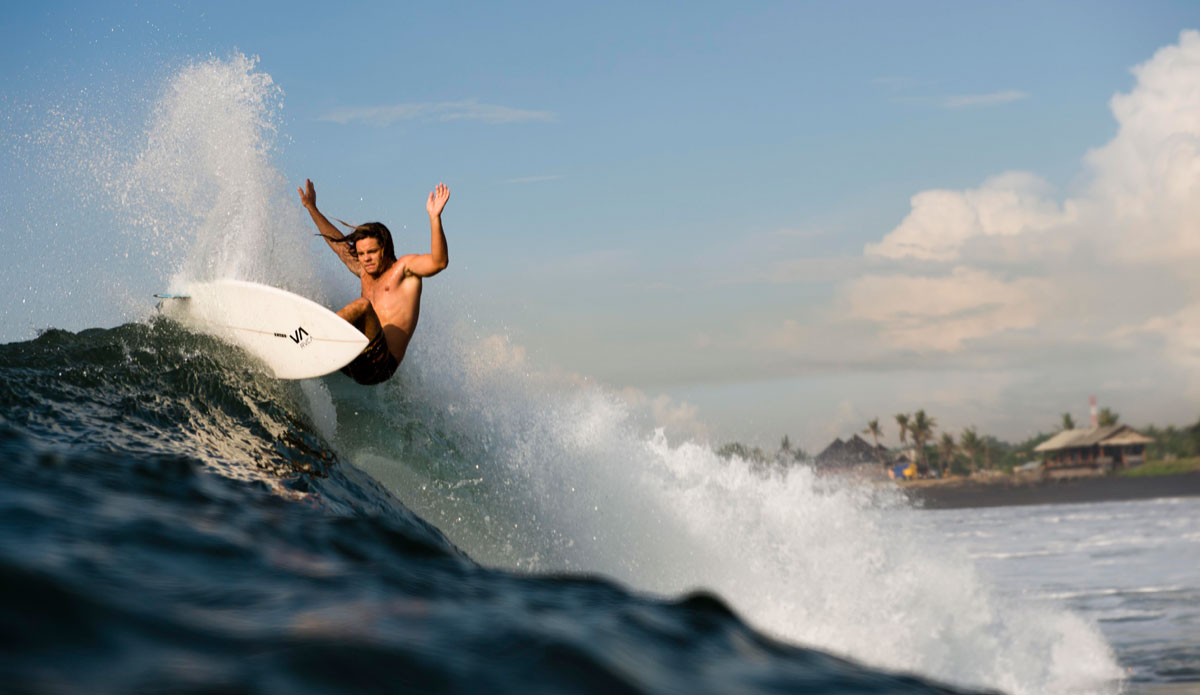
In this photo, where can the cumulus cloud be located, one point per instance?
(944, 312)
(1146, 186)
(941, 221)
(466, 110)
(1009, 256)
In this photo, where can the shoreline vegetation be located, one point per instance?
(978, 470)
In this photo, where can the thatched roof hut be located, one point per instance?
(852, 452)
(1098, 449)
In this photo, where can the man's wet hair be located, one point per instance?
(369, 230)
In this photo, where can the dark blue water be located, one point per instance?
(170, 521)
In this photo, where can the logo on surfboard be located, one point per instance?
(301, 337)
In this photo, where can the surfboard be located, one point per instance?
(296, 337)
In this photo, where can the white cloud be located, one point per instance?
(942, 221)
(944, 312)
(466, 110)
(966, 100)
(1023, 261)
(1146, 181)
(1141, 201)
(1003, 304)
(678, 419)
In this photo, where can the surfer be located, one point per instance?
(388, 309)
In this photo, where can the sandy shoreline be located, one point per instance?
(965, 493)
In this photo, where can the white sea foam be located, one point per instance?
(566, 475)
(1096, 593)
(1013, 556)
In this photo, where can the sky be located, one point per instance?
(763, 218)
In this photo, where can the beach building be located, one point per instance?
(1093, 451)
(852, 452)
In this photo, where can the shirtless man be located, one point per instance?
(390, 304)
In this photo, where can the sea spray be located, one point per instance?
(144, 188)
(203, 195)
(202, 190)
(538, 471)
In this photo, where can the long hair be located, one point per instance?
(369, 230)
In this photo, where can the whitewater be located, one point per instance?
(476, 486)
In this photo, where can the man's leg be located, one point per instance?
(361, 315)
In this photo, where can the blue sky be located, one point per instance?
(679, 198)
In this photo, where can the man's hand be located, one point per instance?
(308, 195)
(437, 200)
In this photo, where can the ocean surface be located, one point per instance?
(1131, 567)
(173, 519)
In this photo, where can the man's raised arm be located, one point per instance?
(308, 198)
(434, 262)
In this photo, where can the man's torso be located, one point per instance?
(395, 297)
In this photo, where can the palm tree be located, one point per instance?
(1107, 417)
(971, 443)
(946, 451)
(902, 421)
(1068, 422)
(875, 432)
(921, 429)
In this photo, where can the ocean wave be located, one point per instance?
(169, 520)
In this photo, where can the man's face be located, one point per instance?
(370, 255)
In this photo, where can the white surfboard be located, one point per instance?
(296, 337)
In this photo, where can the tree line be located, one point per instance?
(970, 451)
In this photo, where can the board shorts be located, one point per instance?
(374, 365)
